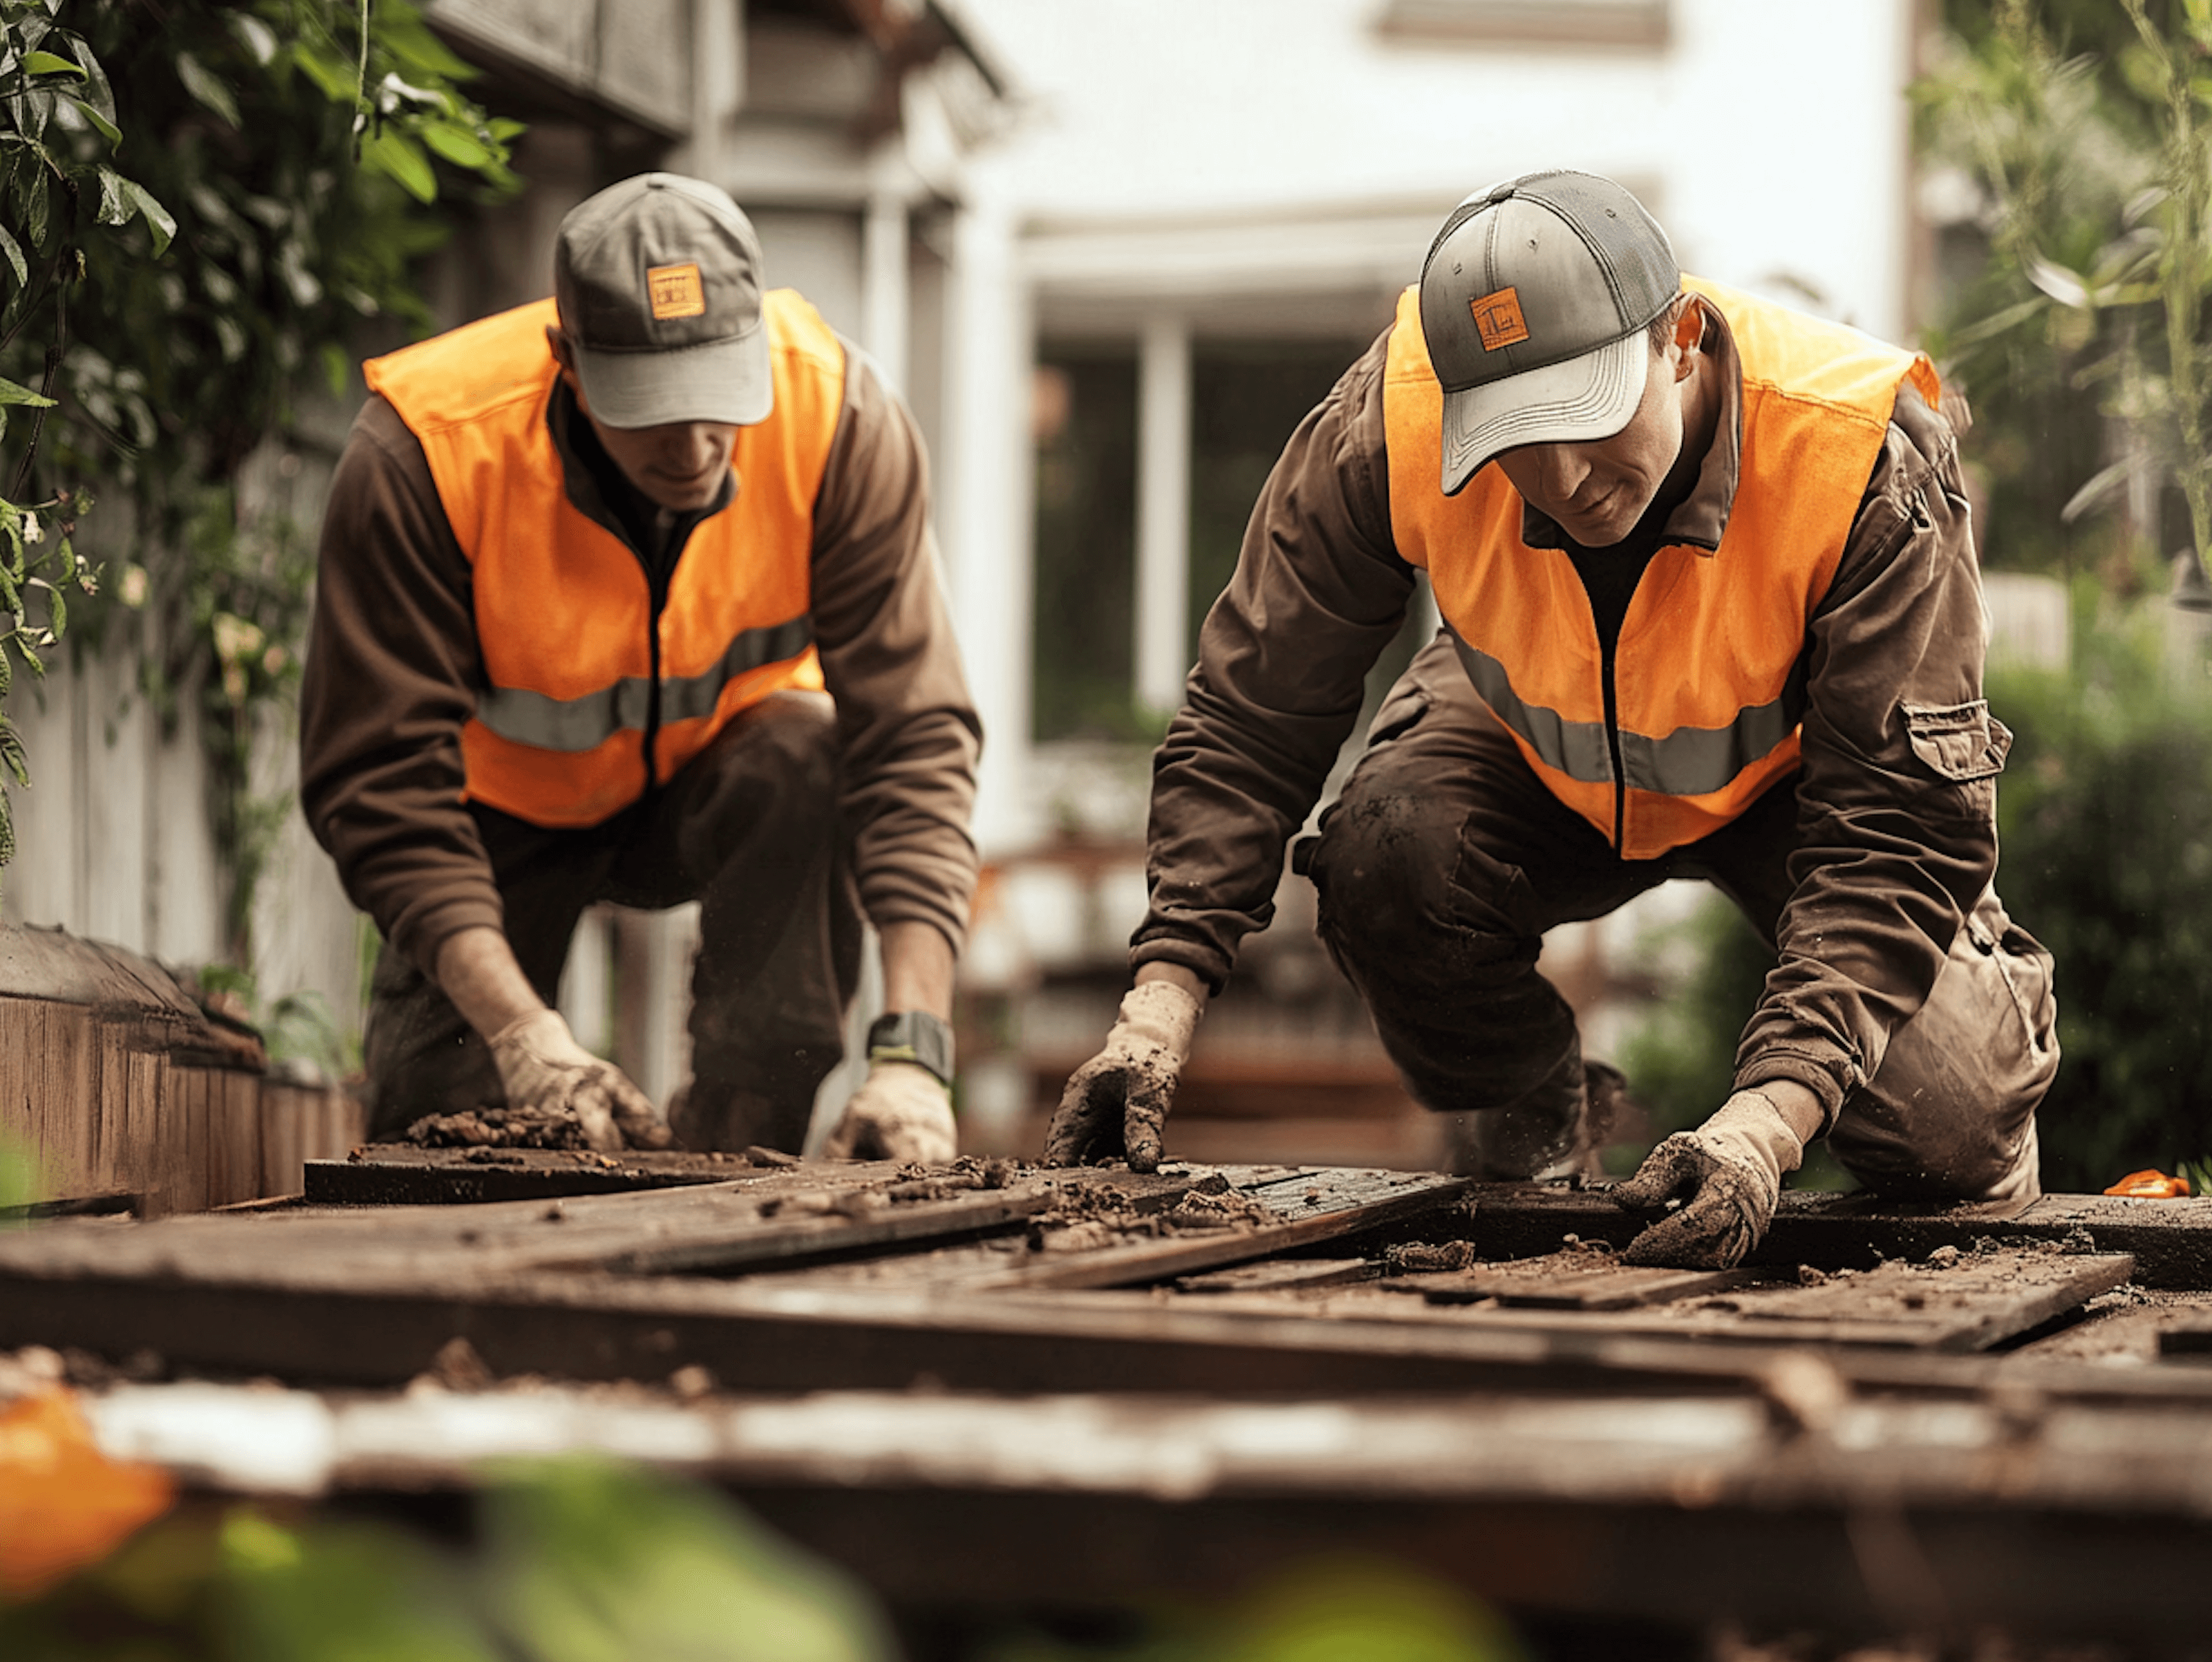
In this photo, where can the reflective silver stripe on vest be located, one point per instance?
(1576, 749)
(1696, 761)
(1687, 762)
(584, 723)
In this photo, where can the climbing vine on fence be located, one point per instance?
(205, 203)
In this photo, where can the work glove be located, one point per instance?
(546, 1074)
(900, 1111)
(1117, 1102)
(1727, 1178)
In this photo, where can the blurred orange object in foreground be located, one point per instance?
(63, 1503)
(2151, 1186)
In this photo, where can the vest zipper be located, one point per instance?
(656, 588)
(1608, 655)
(652, 695)
(674, 535)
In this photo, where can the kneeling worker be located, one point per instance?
(1710, 609)
(630, 595)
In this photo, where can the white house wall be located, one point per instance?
(1775, 128)
(1276, 168)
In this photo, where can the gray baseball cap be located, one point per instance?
(1534, 297)
(658, 282)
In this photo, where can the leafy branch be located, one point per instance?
(58, 133)
(290, 161)
(2096, 176)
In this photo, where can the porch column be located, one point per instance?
(1162, 625)
(884, 286)
(987, 500)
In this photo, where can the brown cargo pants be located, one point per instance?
(750, 829)
(1444, 860)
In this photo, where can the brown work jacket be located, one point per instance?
(1898, 833)
(395, 673)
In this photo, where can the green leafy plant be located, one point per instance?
(2095, 174)
(58, 192)
(2105, 820)
(290, 159)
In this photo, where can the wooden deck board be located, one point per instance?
(1574, 1280)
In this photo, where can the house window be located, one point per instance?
(1085, 423)
(1246, 397)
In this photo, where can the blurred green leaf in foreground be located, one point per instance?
(573, 1561)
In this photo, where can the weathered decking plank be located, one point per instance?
(1283, 1276)
(1310, 1207)
(2170, 1240)
(387, 1174)
(1575, 1280)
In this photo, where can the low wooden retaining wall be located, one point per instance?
(121, 1092)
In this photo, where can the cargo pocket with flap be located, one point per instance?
(1964, 745)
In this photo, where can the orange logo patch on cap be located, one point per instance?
(1496, 318)
(676, 291)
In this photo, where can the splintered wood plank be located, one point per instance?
(1283, 1276)
(810, 1225)
(2170, 1240)
(820, 1211)
(1969, 1303)
(779, 1217)
(1239, 1222)
(1572, 1280)
(399, 1174)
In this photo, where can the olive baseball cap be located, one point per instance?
(1534, 297)
(658, 283)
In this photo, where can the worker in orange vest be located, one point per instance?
(630, 595)
(1710, 609)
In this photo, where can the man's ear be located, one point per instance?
(1689, 334)
(557, 340)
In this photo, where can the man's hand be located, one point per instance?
(544, 1071)
(900, 1111)
(1117, 1102)
(1725, 1177)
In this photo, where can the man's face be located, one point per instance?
(679, 466)
(1598, 490)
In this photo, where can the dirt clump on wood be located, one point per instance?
(1094, 1215)
(498, 1128)
(1425, 1257)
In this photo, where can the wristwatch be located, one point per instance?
(912, 1036)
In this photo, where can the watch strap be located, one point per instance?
(912, 1036)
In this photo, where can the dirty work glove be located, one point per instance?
(1117, 1102)
(1727, 1175)
(900, 1111)
(546, 1073)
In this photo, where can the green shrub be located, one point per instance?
(2105, 817)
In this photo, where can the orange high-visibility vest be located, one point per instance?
(583, 673)
(1708, 699)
